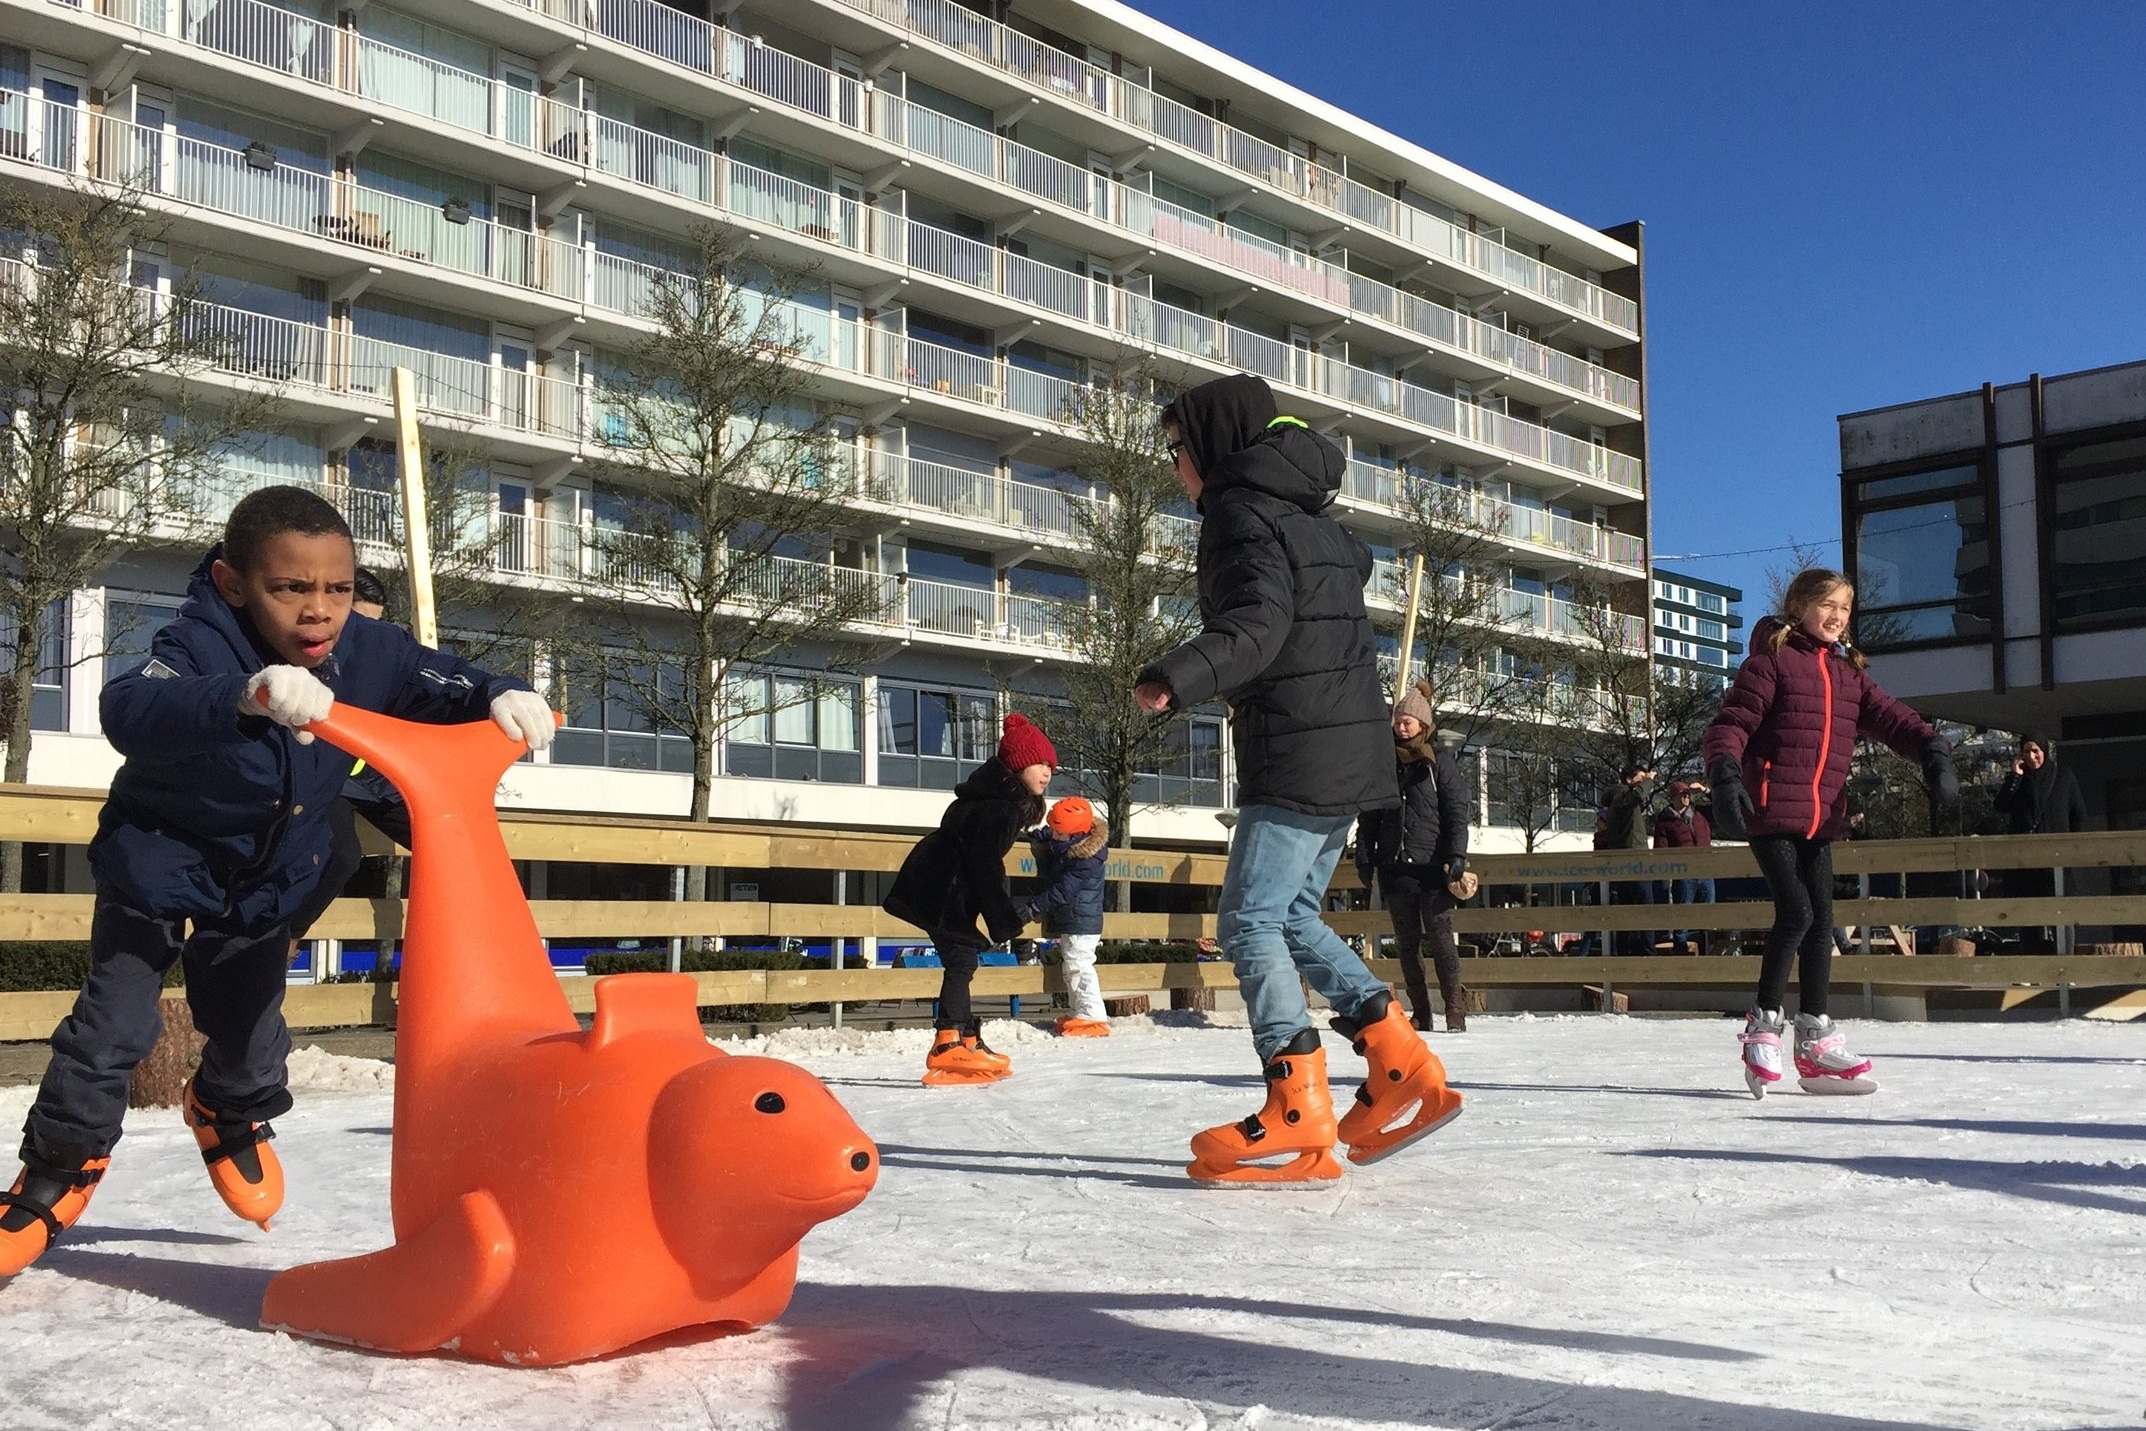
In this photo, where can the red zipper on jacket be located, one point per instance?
(1825, 744)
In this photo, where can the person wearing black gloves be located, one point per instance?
(1777, 757)
(1418, 852)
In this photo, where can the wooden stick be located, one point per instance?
(416, 533)
(1408, 624)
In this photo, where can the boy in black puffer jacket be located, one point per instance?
(1286, 641)
(1071, 851)
(1418, 852)
(957, 875)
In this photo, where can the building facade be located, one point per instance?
(1996, 540)
(1695, 626)
(994, 206)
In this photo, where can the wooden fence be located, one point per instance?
(1529, 886)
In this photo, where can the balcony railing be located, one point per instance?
(961, 29)
(1531, 526)
(1523, 612)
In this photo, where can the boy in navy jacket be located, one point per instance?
(213, 835)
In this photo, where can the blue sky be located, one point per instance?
(1847, 205)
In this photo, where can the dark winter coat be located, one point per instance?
(1673, 832)
(1281, 587)
(2042, 802)
(1791, 721)
(215, 815)
(1626, 814)
(1429, 826)
(957, 873)
(1069, 875)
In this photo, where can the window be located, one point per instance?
(794, 728)
(609, 721)
(48, 691)
(1713, 631)
(930, 739)
(1717, 604)
(2097, 523)
(1188, 768)
(1922, 557)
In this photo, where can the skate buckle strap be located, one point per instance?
(1252, 1128)
(230, 1145)
(41, 1211)
(1763, 1036)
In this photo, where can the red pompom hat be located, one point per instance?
(1024, 745)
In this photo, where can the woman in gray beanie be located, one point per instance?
(1420, 855)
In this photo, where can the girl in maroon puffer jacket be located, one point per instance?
(1778, 756)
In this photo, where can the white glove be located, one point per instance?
(524, 716)
(287, 695)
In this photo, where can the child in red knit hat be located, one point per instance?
(957, 875)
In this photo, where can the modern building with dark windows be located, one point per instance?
(1695, 626)
(1998, 541)
(994, 204)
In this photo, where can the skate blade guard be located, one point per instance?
(963, 1077)
(1307, 1168)
(1427, 1118)
(1839, 1087)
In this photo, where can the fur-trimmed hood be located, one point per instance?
(1096, 840)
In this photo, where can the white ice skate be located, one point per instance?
(1762, 1049)
(1823, 1063)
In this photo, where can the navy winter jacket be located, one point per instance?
(218, 816)
(1069, 874)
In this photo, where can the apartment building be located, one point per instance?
(1995, 538)
(1695, 626)
(994, 204)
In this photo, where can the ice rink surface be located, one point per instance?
(1614, 1236)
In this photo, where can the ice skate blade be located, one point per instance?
(1756, 1084)
(1385, 1145)
(948, 1078)
(1309, 1168)
(1839, 1087)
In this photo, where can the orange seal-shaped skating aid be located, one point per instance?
(559, 1194)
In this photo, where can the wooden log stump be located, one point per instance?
(2122, 950)
(160, 1079)
(1126, 1007)
(1202, 999)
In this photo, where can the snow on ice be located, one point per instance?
(1614, 1236)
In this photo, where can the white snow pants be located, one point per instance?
(1077, 951)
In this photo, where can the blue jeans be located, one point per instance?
(1690, 891)
(1269, 923)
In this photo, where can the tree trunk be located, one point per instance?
(160, 1079)
(21, 681)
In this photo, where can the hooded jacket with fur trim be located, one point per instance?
(1069, 880)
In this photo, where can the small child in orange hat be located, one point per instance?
(1072, 849)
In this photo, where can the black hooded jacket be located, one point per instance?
(2042, 802)
(1281, 583)
(957, 873)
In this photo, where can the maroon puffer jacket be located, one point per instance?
(1792, 719)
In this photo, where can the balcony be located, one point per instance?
(1525, 613)
(1386, 488)
(962, 30)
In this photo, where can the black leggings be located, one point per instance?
(957, 956)
(1799, 873)
(1422, 905)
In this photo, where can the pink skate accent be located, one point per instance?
(1808, 1056)
(1759, 1070)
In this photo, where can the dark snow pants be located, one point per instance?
(234, 986)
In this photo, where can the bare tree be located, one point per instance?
(724, 494)
(1634, 711)
(1467, 621)
(1135, 558)
(107, 436)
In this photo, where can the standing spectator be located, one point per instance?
(1418, 851)
(2038, 797)
(1626, 829)
(1286, 641)
(1682, 825)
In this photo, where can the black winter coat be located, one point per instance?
(2042, 802)
(1281, 584)
(1069, 880)
(1429, 827)
(957, 873)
